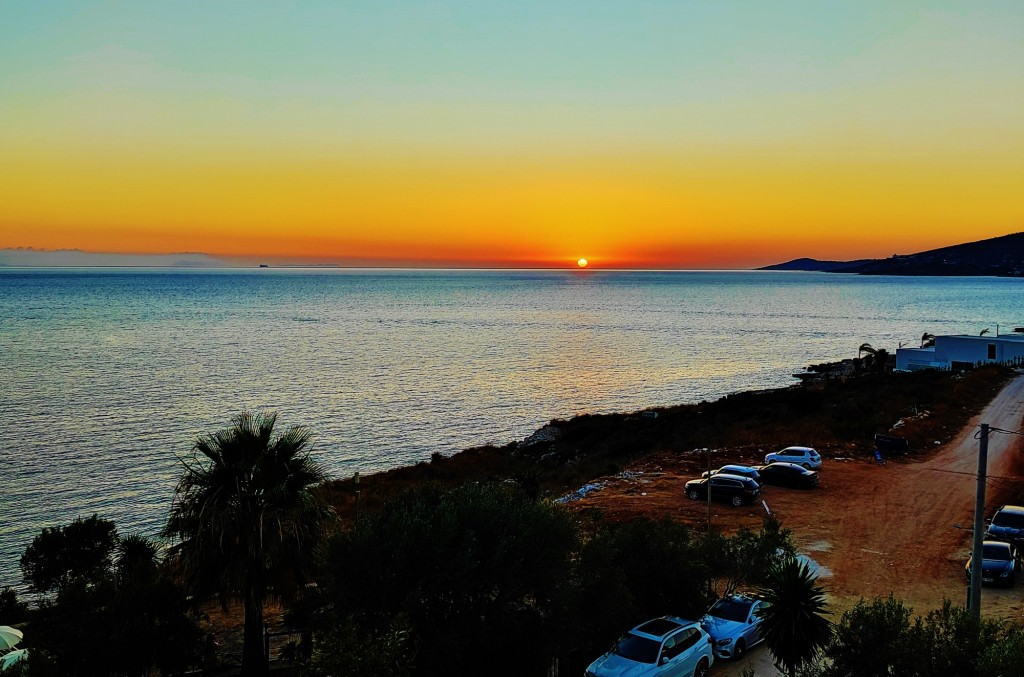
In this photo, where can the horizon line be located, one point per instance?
(589, 269)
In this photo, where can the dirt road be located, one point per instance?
(894, 532)
(874, 529)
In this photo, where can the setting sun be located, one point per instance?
(582, 263)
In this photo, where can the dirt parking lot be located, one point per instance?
(874, 529)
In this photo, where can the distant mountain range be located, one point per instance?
(998, 256)
(28, 257)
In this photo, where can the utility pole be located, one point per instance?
(707, 454)
(355, 481)
(977, 557)
(708, 487)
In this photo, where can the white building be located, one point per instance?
(962, 351)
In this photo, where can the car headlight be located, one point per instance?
(723, 642)
(1006, 572)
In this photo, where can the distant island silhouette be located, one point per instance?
(998, 256)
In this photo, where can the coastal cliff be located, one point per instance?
(995, 257)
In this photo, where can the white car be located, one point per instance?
(804, 456)
(666, 647)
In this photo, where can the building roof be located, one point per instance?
(1014, 336)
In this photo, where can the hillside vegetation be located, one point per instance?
(839, 417)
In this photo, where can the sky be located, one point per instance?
(635, 134)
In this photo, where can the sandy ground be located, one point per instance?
(874, 529)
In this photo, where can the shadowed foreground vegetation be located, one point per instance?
(459, 565)
(483, 579)
(439, 582)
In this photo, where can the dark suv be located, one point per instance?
(1007, 524)
(732, 488)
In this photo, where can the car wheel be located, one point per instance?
(702, 668)
(741, 648)
(737, 501)
(692, 494)
(1011, 581)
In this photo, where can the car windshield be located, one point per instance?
(996, 551)
(635, 648)
(1009, 519)
(730, 609)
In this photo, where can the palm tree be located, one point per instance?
(877, 357)
(794, 626)
(246, 518)
(137, 558)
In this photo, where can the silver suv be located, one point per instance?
(664, 647)
(805, 456)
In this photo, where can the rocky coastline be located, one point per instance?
(838, 413)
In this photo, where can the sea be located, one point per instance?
(108, 375)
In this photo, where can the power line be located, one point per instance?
(972, 474)
(977, 435)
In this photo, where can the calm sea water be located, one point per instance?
(108, 375)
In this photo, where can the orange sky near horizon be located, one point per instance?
(617, 212)
(710, 135)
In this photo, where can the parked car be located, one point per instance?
(666, 646)
(739, 470)
(804, 456)
(732, 488)
(788, 475)
(999, 563)
(733, 624)
(1007, 524)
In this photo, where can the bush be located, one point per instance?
(744, 560)
(12, 609)
(879, 638)
(873, 639)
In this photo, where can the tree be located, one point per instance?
(82, 552)
(794, 625)
(247, 518)
(105, 591)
